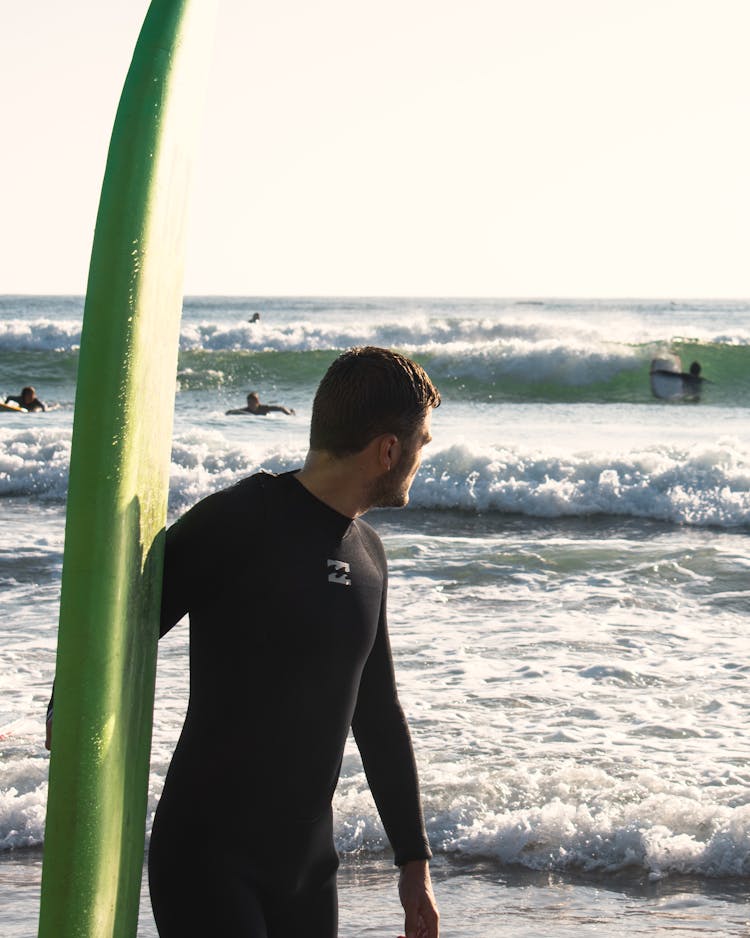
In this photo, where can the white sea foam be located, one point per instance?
(34, 462)
(562, 361)
(707, 485)
(23, 796)
(575, 818)
(40, 335)
(650, 835)
(567, 344)
(418, 332)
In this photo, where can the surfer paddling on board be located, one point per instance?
(27, 400)
(254, 406)
(285, 586)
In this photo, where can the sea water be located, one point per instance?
(568, 602)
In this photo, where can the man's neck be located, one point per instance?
(340, 483)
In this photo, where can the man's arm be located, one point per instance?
(48, 721)
(278, 407)
(200, 554)
(383, 739)
(384, 743)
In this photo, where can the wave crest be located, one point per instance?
(704, 487)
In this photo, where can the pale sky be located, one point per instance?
(406, 147)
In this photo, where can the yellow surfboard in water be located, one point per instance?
(117, 497)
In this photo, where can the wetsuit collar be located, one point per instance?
(326, 514)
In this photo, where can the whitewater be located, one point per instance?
(569, 596)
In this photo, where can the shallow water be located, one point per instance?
(476, 901)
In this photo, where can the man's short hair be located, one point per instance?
(368, 391)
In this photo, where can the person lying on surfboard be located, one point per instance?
(254, 406)
(28, 400)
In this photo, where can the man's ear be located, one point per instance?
(389, 451)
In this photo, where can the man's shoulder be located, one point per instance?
(251, 488)
(233, 498)
(371, 537)
(227, 515)
(367, 530)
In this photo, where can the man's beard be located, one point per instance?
(389, 491)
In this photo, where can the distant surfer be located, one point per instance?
(285, 586)
(255, 407)
(254, 318)
(27, 400)
(669, 382)
(692, 379)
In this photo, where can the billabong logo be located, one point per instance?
(338, 572)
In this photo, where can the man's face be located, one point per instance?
(392, 489)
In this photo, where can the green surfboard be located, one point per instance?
(117, 497)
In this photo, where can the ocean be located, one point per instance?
(568, 605)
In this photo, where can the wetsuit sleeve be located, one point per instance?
(203, 546)
(186, 563)
(382, 735)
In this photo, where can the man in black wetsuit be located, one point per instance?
(255, 407)
(27, 399)
(285, 587)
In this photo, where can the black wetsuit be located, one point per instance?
(33, 405)
(288, 648)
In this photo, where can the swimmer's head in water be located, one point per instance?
(366, 392)
(252, 398)
(695, 369)
(28, 395)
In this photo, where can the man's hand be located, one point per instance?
(421, 917)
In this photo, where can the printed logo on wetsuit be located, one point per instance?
(338, 572)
